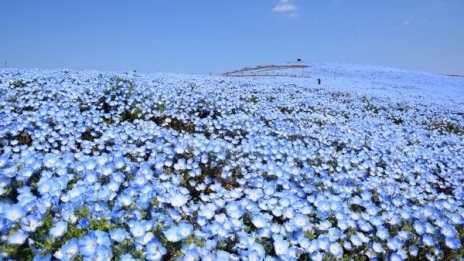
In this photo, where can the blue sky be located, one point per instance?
(217, 35)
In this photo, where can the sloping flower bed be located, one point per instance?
(124, 166)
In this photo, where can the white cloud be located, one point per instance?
(286, 6)
(407, 21)
(294, 15)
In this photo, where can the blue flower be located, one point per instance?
(396, 257)
(83, 223)
(155, 250)
(419, 227)
(59, 229)
(50, 160)
(300, 220)
(177, 233)
(137, 229)
(118, 234)
(31, 223)
(103, 253)
(17, 238)
(382, 233)
(14, 212)
(88, 244)
(378, 248)
(323, 243)
(172, 234)
(428, 240)
(453, 243)
(413, 250)
(259, 221)
(69, 250)
(448, 230)
(336, 250)
(178, 200)
(281, 246)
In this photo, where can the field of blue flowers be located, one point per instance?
(127, 166)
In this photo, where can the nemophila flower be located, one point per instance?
(404, 235)
(126, 200)
(396, 257)
(69, 250)
(419, 227)
(88, 245)
(137, 229)
(342, 224)
(428, 240)
(208, 211)
(83, 223)
(155, 250)
(17, 238)
(10, 172)
(413, 250)
(323, 243)
(90, 164)
(59, 229)
(281, 246)
(448, 230)
(145, 238)
(394, 243)
(13, 212)
(336, 250)
(120, 184)
(452, 242)
(259, 221)
(234, 210)
(365, 226)
(324, 225)
(172, 234)
(118, 234)
(185, 229)
(429, 228)
(382, 233)
(178, 200)
(356, 240)
(42, 258)
(347, 245)
(376, 221)
(127, 257)
(50, 160)
(300, 220)
(103, 253)
(377, 247)
(4, 160)
(334, 234)
(317, 256)
(31, 223)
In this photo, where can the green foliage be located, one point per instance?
(357, 208)
(18, 252)
(310, 235)
(24, 139)
(100, 224)
(109, 121)
(155, 202)
(253, 99)
(445, 127)
(131, 116)
(87, 135)
(268, 245)
(82, 212)
(160, 107)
